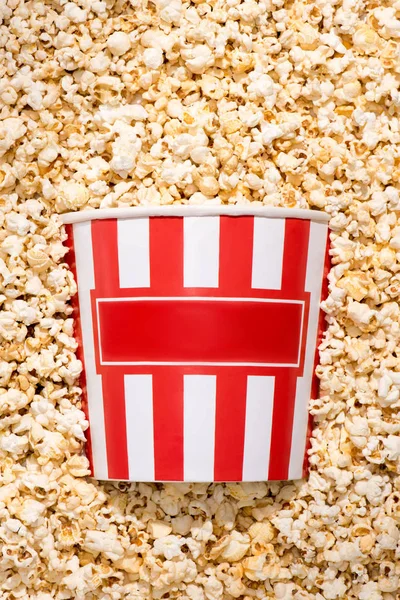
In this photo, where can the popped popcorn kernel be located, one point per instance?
(119, 43)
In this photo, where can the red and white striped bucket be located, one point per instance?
(198, 331)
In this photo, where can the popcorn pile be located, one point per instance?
(112, 103)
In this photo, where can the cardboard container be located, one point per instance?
(198, 331)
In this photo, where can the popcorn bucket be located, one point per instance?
(198, 329)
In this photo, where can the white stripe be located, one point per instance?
(194, 364)
(203, 298)
(85, 276)
(315, 267)
(139, 426)
(199, 427)
(201, 252)
(268, 245)
(133, 253)
(257, 440)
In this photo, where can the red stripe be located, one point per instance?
(200, 331)
(235, 271)
(115, 423)
(282, 423)
(166, 256)
(236, 256)
(105, 257)
(297, 233)
(294, 269)
(230, 425)
(166, 278)
(315, 386)
(96, 333)
(303, 340)
(106, 275)
(168, 424)
(71, 261)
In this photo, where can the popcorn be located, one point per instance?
(188, 103)
(119, 43)
(262, 86)
(31, 511)
(208, 186)
(254, 567)
(159, 529)
(153, 58)
(11, 130)
(13, 400)
(168, 546)
(235, 547)
(17, 223)
(105, 542)
(99, 63)
(334, 589)
(125, 150)
(198, 58)
(14, 444)
(74, 13)
(361, 314)
(170, 10)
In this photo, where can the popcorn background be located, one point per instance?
(280, 102)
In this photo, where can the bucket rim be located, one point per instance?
(183, 210)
